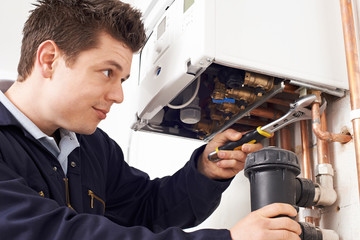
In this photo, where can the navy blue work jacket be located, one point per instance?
(101, 197)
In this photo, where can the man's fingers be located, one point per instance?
(232, 165)
(235, 154)
(276, 209)
(285, 223)
(284, 235)
(249, 147)
(229, 134)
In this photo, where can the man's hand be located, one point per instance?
(232, 161)
(261, 224)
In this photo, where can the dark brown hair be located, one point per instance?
(74, 25)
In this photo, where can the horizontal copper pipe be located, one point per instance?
(324, 135)
(251, 122)
(266, 113)
(278, 101)
(290, 88)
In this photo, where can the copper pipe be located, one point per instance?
(266, 113)
(323, 146)
(272, 140)
(285, 141)
(309, 220)
(290, 89)
(278, 101)
(273, 114)
(352, 63)
(305, 149)
(251, 122)
(324, 135)
(306, 157)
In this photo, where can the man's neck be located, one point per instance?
(25, 97)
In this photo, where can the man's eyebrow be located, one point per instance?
(118, 66)
(115, 64)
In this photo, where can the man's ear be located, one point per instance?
(46, 55)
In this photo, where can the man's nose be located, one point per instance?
(116, 93)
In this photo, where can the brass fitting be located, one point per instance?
(317, 94)
(241, 94)
(258, 80)
(219, 90)
(230, 108)
(205, 126)
(215, 114)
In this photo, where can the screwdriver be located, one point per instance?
(298, 111)
(254, 136)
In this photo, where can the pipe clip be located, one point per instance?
(354, 114)
(309, 212)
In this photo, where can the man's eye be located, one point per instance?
(107, 72)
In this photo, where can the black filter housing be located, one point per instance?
(272, 174)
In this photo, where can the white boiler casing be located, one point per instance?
(301, 41)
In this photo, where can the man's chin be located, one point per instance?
(85, 131)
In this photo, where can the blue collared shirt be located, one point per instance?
(68, 141)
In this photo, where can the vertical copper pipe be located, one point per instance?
(285, 138)
(272, 140)
(322, 145)
(306, 157)
(352, 63)
(356, 127)
(305, 150)
(322, 148)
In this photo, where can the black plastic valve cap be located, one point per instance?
(272, 157)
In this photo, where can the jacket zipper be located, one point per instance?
(67, 194)
(92, 196)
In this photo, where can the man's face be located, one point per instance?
(79, 96)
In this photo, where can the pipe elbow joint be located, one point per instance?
(325, 194)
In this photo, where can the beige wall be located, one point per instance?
(13, 15)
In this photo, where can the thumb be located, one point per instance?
(277, 209)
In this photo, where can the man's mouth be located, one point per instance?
(101, 113)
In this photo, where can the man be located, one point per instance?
(63, 178)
